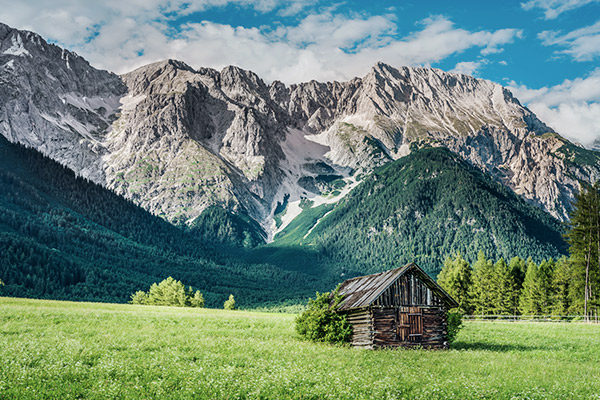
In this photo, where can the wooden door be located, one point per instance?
(409, 326)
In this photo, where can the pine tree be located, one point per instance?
(545, 276)
(561, 282)
(504, 289)
(455, 278)
(483, 281)
(584, 241)
(531, 299)
(517, 267)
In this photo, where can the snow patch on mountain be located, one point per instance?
(17, 48)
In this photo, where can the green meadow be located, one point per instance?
(64, 350)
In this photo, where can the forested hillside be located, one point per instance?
(423, 208)
(64, 237)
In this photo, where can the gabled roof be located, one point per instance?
(362, 291)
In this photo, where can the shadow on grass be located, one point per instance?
(484, 346)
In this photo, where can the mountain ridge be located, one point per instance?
(177, 140)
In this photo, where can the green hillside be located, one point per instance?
(422, 208)
(63, 237)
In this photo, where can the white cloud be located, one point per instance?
(577, 90)
(553, 8)
(468, 67)
(122, 35)
(295, 7)
(571, 108)
(579, 122)
(582, 44)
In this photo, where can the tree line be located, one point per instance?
(567, 286)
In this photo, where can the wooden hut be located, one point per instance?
(400, 307)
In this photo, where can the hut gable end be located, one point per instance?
(403, 286)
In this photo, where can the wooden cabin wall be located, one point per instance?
(408, 290)
(387, 326)
(362, 327)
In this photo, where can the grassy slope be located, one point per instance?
(74, 350)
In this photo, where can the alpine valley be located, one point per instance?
(271, 192)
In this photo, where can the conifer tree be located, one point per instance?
(584, 241)
(455, 278)
(531, 299)
(503, 291)
(483, 281)
(517, 267)
(561, 282)
(545, 275)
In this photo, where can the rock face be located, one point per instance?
(176, 140)
(54, 101)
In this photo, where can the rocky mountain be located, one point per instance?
(177, 140)
(54, 101)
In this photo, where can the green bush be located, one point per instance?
(321, 323)
(197, 300)
(454, 324)
(169, 292)
(229, 303)
(139, 297)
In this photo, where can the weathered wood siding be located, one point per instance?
(409, 327)
(362, 327)
(409, 290)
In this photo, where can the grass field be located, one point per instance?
(64, 350)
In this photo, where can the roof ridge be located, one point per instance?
(363, 290)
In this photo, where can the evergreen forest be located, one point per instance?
(63, 237)
(422, 208)
(564, 287)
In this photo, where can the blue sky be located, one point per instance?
(546, 51)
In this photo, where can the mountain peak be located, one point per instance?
(232, 75)
(156, 76)
(380, 66)
(163, 65)
(203, 137)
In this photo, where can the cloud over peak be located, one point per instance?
(328, 45)
(572, 108)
